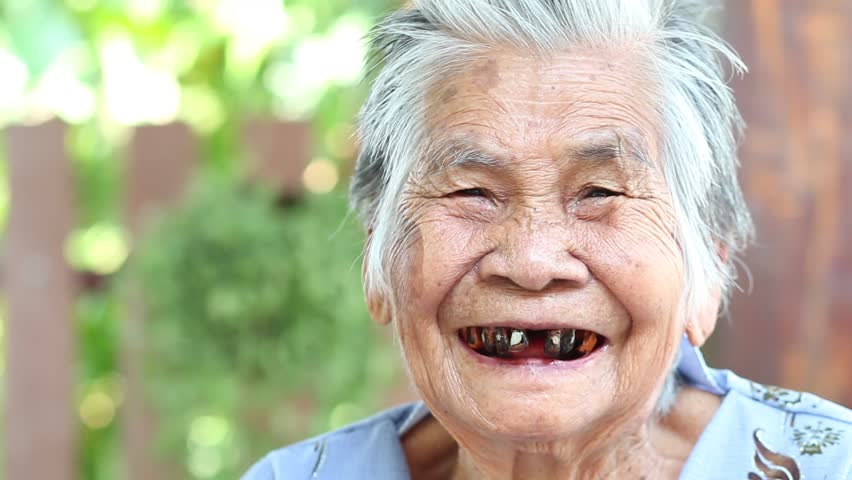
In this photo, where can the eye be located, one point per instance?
(470, 192)
(599, 192)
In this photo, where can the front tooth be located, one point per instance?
(501, 341)
(566, 344)
(552, 343)
(518, 341)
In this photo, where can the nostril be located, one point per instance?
(534, 269)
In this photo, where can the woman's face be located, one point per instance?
(544, 209)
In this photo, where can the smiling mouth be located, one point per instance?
(565, 344)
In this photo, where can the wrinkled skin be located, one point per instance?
(549, 232)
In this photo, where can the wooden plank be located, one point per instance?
(162, 160)
(39, 290)
(795, 329)
(279, 152)
(161, 164)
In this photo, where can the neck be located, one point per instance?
(627, 456)
(653, 448)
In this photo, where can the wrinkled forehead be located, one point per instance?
(585, 104)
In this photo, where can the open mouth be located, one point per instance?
(515, 343)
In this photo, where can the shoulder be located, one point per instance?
(762, 431)
(366, 449)
(784, 401)
(785, 428)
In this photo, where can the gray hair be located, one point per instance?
(418, 46)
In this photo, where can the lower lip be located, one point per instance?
(532, 363)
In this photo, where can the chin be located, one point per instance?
(516, 414)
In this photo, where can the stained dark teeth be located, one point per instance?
(590, 341)
(566, 343)
(474, 338)
(501, 341)
(553, 342)
(489, 340)
(559, 344)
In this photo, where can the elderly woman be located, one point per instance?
(551, 197)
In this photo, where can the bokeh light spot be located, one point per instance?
(320, 176)
(97, 410)
(208, 431)
(13, 82)
(202, 109)
(59, 91)
(145, 10)
(205, 462)
(318, 62)
(254, 24)
(207, 442)
(102, 248)
(136, 93)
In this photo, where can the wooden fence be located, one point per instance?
(794, 329)
(41, 288)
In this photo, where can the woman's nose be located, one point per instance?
(535, 256)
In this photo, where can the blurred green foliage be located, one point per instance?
(254, 329)
(286, 286)
(99, 389)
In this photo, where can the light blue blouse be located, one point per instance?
(759, 433)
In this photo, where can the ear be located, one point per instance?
(703, 323)
(377, 304)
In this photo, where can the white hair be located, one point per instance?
(419, 46)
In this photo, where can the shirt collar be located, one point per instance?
(695, 371)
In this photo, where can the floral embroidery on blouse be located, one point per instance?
(813, 440)
(777, 396)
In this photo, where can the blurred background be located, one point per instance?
(180, 276)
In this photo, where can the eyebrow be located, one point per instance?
(617, 145)
(602, 147)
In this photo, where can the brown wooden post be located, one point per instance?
(278, 151)
(40, 289)
(795, 329)
(160, 166)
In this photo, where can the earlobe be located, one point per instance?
(701, 326)
(378, 308)
(377, 304)
(703, 323)
(696, 333)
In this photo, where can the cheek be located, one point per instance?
(441, 251)
(635, 255)
(435, 258)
